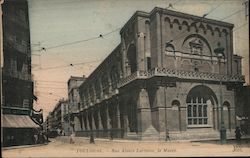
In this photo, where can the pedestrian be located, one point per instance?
(238, 134)
(35, 138)
(71, 140)
(111, 134)
(167, 135)
(92, 140)
(40, 138)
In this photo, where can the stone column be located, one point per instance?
(125, 123)
(107, 117)
(144, 120)
(92, 119)
(183, 118)
(101, 88)
(94, 92)
(232, 118)
(83, 123)
(140, 52)
(160, 112)
(216, 117)
(100, 126)
(87, 120)
(124, 56)
(109, 83)
(118, 118)
(147, 40)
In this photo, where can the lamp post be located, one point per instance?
(223, 136)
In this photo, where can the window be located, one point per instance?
(197, 112)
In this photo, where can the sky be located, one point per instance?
(64, 36)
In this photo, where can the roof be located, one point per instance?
(18, 121)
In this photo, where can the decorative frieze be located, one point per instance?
(164, 72)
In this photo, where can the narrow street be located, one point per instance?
(116, 148)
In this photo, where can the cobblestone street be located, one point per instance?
(116, 148)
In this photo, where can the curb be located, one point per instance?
(22, 146)
(146, 141)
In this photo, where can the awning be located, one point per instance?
(18, 121)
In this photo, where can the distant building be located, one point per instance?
(173, 74)
(47, 123)
(74, 101)
(17, 85)
(56, 119)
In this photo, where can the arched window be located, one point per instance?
(132, 58)
(200, 102)
(114, 77)
(175, 105)
(197, 111)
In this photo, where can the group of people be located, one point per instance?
(40, 137)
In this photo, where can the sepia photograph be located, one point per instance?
(125, 78)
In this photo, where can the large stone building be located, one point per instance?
(172, 74)
(74, 103)
(20, 121)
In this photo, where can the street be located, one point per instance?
(118, 148)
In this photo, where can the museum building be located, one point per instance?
(173, 74)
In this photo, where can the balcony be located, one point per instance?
(133, 76)
(164, 72)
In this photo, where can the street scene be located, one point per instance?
(125, 78)
(118, 148)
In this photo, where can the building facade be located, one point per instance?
(173, 74)
(56, 120)
(74, 102)
(19, 125)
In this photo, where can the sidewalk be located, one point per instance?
(128, 148)
(23, 146)
(65, 139)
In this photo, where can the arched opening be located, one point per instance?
(175, 104)
(176, 115)
(200, 102)
(169, 59)
(227, 116)
(114, 77)
(77, 124)
(132, 116)
(132, 59)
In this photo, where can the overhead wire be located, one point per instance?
(101, 36)
(68, 65)
(53, 88)
(230, 15)
(174, 38)
(50, 81)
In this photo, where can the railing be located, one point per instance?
(180, 74)
(133, 76)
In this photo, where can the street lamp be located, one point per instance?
(223, 136)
